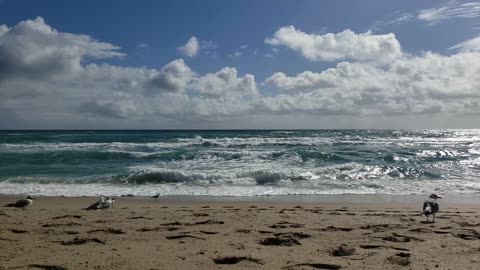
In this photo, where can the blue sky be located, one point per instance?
(233, 34)
(164, 25)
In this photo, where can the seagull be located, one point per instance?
(103, 203)
(108, 203)
(24, 203)
(156, 196)
(96, 205)
(430, 206)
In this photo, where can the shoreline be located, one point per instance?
(457, 199)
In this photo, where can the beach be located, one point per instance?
(329, 232)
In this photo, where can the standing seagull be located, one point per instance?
(430, 206)
(156, 196)
(22, 203)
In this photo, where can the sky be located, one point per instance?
(270, 64)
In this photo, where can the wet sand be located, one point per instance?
(143, 233)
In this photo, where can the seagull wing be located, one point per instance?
(435, 207)
(94, 206)
(22, 203)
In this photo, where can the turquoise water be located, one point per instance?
(240, 163)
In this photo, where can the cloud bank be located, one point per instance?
(54, 79)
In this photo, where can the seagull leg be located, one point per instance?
(433, 217)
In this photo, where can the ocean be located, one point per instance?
(239, 162)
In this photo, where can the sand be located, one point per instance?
(55, 233)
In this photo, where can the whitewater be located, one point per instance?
(239, 162)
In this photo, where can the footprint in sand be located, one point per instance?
(109, 231)
(180, 236)
(235, 260)
(285, 224)
(47, 267)
(467, 234)
(67, 216)
(298, 235)
(395, 237)
(279, 241)
(342, 250)
(81, 241)
(314, 266)
(18, 231)
(401, 258)
(334, 229)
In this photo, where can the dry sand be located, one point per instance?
(169, 234)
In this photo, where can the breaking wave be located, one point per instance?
(242, 163)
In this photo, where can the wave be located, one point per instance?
(242, 176)
(255, 162)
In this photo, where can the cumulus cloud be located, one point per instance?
(37, 88)
(174, 77)
(191, 48)
(430, 83)
(34, 49)
(469, 45)
(451, 10)
(339, 46)
(47, 71)
(226, 83)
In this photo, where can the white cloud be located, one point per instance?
(226, 83)
(392, 19)
(339, 46)
(235, 54)
(302, 81)
(450, 11)
(69, 90)
(173, 77)
(431, 83)
(469, 45)
(191, 48)
(143, 45)
(121, 106)
(33, 49)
